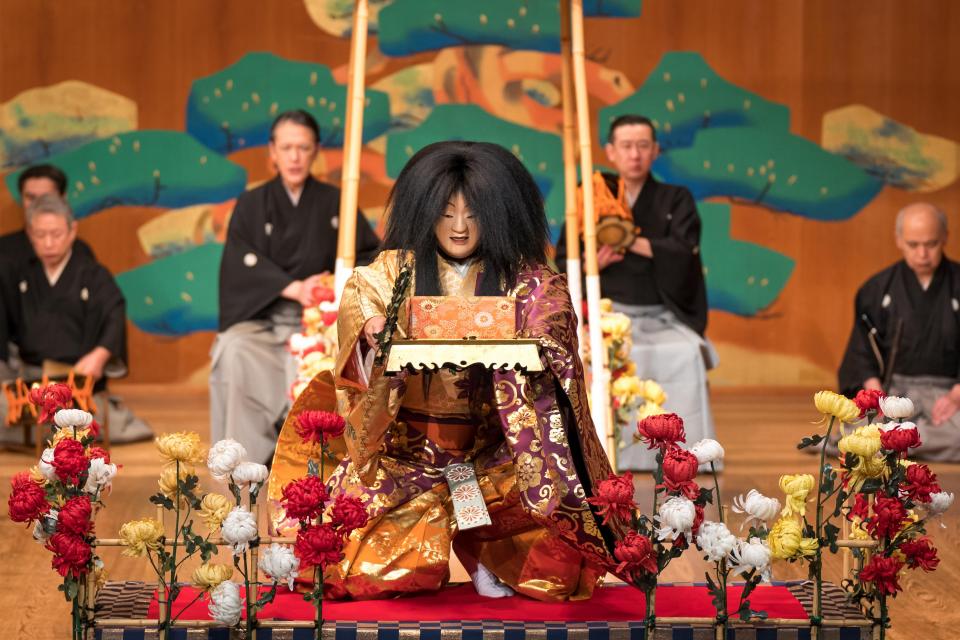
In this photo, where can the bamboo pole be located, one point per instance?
(571, 219)
(352, 144)
(254, 570)
(600, 396)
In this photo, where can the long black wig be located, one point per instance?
(501, 195)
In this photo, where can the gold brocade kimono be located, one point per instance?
(403, 430)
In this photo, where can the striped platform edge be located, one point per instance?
(130, 600)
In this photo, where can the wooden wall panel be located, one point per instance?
(892, 55)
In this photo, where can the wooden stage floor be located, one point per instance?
(758, 430)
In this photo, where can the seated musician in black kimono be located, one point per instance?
(66, 310)
(15, 247)
(282, 238)
(906, 332)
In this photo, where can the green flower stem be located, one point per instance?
(716, 488)
(817, 565)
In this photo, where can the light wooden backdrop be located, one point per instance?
(897, 57)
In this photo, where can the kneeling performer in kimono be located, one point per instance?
(495, 463)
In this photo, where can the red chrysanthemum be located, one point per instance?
(318, 546)
(679, 469)
(889, 515)
(697, 519)
(71, 554)
(899, 439)
(98, 452)
(868, 400)
(882, 572)
(322, 294)
(50, 399)
(614, 497)
(74, 517)
(319, 426)
(861, 507)
(94, 428)
(920, 553)
(28, 500)
(304, 499)
(348, 513)
(69, 460)
(329, 318)
(921, 482)
(635, 553)
(662, 430)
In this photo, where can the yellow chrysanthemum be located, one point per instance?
(68, 434)
(627, 388)
(606, 305)
(213, 509)
(168, 478)
(796, 488)
(865, 468)
(857, 532)
(786, 540)
(653, 392)
(138, 536)
(649, 409)
(36, 476)
(180, 447)
(833, 404)
(615, 325)
(208, 576)
(864, 441)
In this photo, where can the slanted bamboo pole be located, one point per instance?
(571, 219)
(600, 394)
(352, 145)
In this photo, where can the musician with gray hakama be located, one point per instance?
(658, 282)
(906, 333)
(281, 240)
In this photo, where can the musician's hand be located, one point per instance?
(372, 327)
(944, 409)
(92, 364)
(642, 247)
(606, 256)
(873, 384)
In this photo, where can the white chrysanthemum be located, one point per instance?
(751, 555)
(224, 457)
(715, 540)
(46, 464)
(758, 507)
(280, 564)
(250, 474)
(99, 476)
(239, 528)
(896, 407)
(73, 418)
(675, 517)
(225, 605)
(707, 451)
(939, 502)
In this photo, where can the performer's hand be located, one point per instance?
(641, 246)
(606, 256)
(92, 364)
(873, 384)
(372, 327)
(944, 408)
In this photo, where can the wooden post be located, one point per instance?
(352, 146)
(600, 396)
(571, 219)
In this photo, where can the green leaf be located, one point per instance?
(830, 533)
(161, 500)
(313, 469)
(810, 441)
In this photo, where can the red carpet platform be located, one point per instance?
(615, 612)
